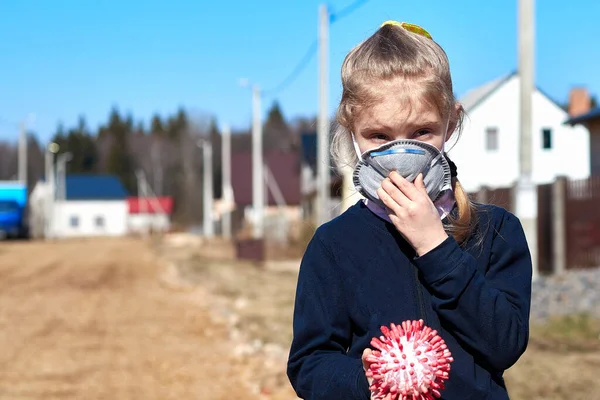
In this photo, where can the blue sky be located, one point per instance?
(65, 58)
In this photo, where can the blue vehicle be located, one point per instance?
(13, 203)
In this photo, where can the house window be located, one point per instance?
(74, 221)
(491, 139)
(546, 138)
(99, 222)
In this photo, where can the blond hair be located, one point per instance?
(394, 53)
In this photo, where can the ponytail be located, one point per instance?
(461, 226)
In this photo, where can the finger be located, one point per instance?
(395, 220)
(395, 193)
(389, 202)
(420, 184)
(405, 186)
(366, 353)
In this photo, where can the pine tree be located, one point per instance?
(119, 160)
(156, 126)
(276, 130)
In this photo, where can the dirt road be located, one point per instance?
(92, 320)
(107, 320)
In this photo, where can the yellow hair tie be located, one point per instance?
(409, 27)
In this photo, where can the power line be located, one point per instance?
(296, 72)
(312, 49)
(344, 12)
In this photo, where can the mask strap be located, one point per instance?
(445, 134)
(442, 152)
(356, 148)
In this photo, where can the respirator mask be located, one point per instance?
(409, 158)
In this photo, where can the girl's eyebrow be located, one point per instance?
(375, 128)
(420, 124)
(410, 126)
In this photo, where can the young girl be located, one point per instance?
(466, 273)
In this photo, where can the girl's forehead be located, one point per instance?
(396, 110)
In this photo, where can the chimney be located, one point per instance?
(579, 101)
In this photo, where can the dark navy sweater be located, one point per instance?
(358, 274)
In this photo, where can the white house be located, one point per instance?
(487, 152)
(89, 205)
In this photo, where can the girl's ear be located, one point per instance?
(454, 120)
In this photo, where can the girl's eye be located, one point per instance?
(379, 137)
(422, 132)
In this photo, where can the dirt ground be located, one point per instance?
(104, 320)
(180, 319)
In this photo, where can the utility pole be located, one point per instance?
(207, 190)
(23, 154)
(61, 175)
(61, 186)
(323, 164)
(51, 150)
(227, 192)
(257, 166)
(526, 190)
(49, 160)
(142, 192)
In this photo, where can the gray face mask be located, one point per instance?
(408, 158)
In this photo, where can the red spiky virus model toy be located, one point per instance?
(411, 362)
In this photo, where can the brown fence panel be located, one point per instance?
(501, 197)
(583, 223)
(544, 229)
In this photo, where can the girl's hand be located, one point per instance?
(366, 353)
(413, 213)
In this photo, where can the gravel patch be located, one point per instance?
(574, 292)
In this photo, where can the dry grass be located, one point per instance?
(562, 361)
(260, 297)
(255, 301)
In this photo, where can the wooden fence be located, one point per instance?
(501, 197)
(582, 215)
(568, 211)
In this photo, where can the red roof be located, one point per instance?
(148, 205)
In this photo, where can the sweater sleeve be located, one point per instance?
(318, 366)
(488, 312)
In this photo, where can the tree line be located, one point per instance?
(164, 149)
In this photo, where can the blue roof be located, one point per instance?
(595, 113)
(309, 142)
(309, 148)
(94, 187)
